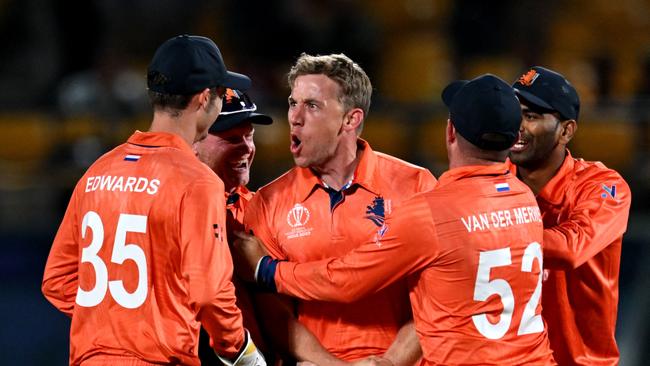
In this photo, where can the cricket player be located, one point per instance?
(471, 248)
(229, 150)
(585, 207)
(140, 260)
(334, 199)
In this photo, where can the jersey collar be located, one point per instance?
(459, 173)
(160, 139)
(554, 190)
(364, 174)
(242, 193)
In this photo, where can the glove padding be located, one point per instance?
(249, 355)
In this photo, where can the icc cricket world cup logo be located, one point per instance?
(298, 216)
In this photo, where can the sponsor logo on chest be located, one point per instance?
(297, 219)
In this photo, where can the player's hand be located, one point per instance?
(248, 250)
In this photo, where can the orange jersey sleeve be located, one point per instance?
(370, 267)
(207, 266)
(256, 219)
(585, 208)
(599, 216)
(60, 280)
(244, 291)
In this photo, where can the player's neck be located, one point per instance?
(470, 161)
(163, 122)
(537, 177)
(338, 171)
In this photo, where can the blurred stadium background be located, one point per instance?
(72, 86)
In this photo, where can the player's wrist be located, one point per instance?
(257, 267)
(265, 273)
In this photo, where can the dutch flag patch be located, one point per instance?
(132, 157)
(502, 187)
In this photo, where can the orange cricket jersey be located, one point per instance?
(293, 218)
(585, 208)
(471, 249)
(140, 257)
(236, 204)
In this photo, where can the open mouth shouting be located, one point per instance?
(296, 144)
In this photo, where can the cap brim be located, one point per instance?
(260, 119)
(226, 122)
(234, 80)
(530, 98)
(451, 90)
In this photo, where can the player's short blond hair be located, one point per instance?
(355, 87)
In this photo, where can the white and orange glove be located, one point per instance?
(249, 355)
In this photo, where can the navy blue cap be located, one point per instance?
(185, 65)
(237, 108)
(549, 90)
(485, 111)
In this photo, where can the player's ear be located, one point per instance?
(353, 119)
(568, 130)
(450, 134)
(202, 99)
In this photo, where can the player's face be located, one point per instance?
(315, 119)
(538, 137)
(229, 154)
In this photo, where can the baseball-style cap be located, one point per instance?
(237, 108)
(549, 90)
(485, 111)
(185, 65)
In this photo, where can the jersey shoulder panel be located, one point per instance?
(391, 162)
(278, 186)
(401, 176)
(589, 176)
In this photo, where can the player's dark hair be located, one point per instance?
(172, 103)
(474, 151)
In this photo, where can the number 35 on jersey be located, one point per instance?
(121, 252)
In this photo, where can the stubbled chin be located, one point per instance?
(300, 161)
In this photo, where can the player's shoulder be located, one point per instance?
(385, 161)
(415, 210)
(401, 175)
(279, 186)
(185, 170)
(105, 161)
(589, 173)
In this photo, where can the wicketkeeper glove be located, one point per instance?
(249, 355)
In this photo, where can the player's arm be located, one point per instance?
(288, 335)
(595, 221)
(60, 280)
(367, 269)
(207, 267)
(405, 349)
